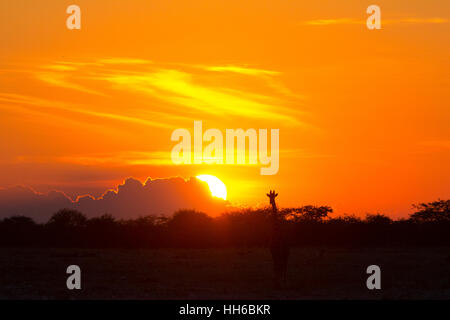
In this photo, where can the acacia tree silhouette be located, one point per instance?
(279, 247)
(436, 211)
(67, 218)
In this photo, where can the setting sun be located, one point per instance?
(216, 186)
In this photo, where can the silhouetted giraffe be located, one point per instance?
(279, 247)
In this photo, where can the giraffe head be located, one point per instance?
(272, 195)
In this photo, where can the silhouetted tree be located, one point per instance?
(346, 219)
(142, 232)
(102, 231)
(378, 219)
(191, 228)
(18, 231)
(307, 213)
(245, 227)
(308, 225)
(432, 211)
(104, 222)
(67, 218)
(21, 222)
(67, 226)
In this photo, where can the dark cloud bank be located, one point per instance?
(131, 199)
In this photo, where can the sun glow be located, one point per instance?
(216, 186)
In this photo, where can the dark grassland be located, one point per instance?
(313, 273)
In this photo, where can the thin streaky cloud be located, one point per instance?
(192, 90)
(52, 117)
(79, 64)
(241, 70)
(270, 77)
(153, 158)
(131, 158)
(60, 80)
(420, 20)
(178, 87)
(123, 61)
(324, 22)
(350, 21)
(33, 101)
(59, 67)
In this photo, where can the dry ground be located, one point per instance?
(338, 273)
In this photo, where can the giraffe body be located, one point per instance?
(279, 247)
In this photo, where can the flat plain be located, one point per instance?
(313, 273)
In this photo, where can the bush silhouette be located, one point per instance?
(307, 213)
(308, 225)
(191, 228)
(67, 218)
(432, 212)
(18, 230)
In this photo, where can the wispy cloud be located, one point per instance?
(179, 87)
(123, 61)
(241, 70)
(350, 21)
(60, 67)
(122, 158)
(61, 105)
(325, 22)
(61, 80)
(418, 20)
(218, 91)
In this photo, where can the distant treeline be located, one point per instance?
(307, 225)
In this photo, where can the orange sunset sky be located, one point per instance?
(363, 114)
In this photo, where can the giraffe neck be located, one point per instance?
(274, 207)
